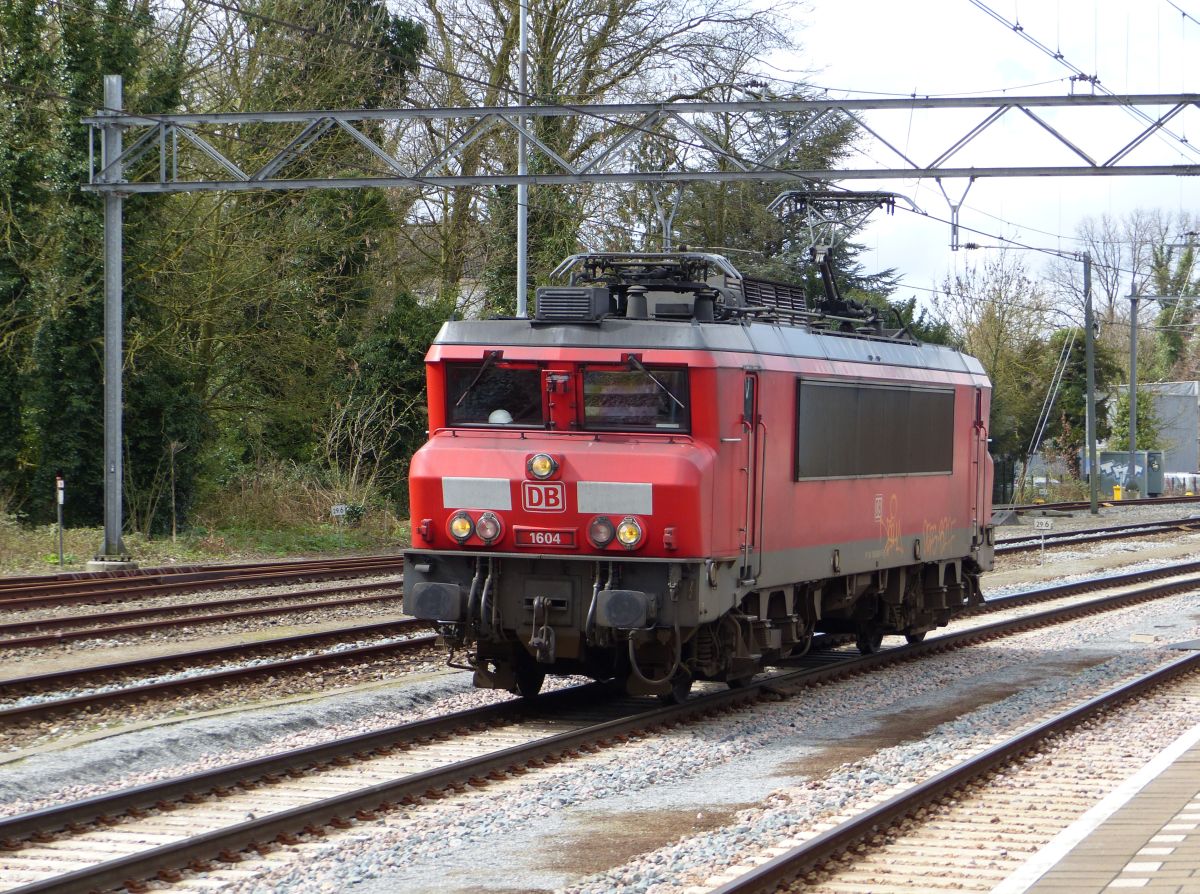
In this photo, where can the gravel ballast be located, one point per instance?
(790, 760)
(669, 812)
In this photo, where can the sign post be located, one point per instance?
(1043, 525)
(60, 489)
(338, 511)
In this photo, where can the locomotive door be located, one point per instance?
(752, 519)
(978, 469)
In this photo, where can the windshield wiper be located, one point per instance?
(489, 360)
(636, 364)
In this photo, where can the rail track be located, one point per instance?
(158, 832)
(399, 637)
(1034, 540)
(1086, 504)
(181, 677)
(110, 586)
(48, 592)
(28, 593)
(64, 628)
(887, 826)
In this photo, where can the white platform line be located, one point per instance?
(1066, 840)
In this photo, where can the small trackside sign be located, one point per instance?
(544, 496)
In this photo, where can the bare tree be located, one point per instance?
(1001, 316)
(581, 51)
(358, 442)
(1138, 253)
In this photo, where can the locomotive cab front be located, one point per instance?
(558, 510)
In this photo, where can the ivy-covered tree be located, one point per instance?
(236, 311)
(1067, 428)
(27, 103)
(54, 275)
(1173, 277)
(1149, 432)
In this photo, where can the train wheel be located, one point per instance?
(868, 640)
(529, 679)
(681, 687)
(915, 637)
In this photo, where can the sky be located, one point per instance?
(886, 48)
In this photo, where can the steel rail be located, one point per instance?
(1086, 585)
(331, 811)
(40, 637)
(95, 699)
(41, 682)
(7, 582)
(81, 589)
(1033, 541)
(40, 823)
(1108, 504)
(56, 706)
(787, 867)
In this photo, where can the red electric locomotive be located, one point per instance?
(674, 472)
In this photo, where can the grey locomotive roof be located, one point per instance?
(756, 338)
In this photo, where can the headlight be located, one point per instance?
(461, 526)
(629, 532)
(541, 466)
(489, 527)
(601, 531)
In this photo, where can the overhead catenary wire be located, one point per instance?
(312, 31)
(1186, 16)
(1056, 380)
(1092, 79)
(673, 137)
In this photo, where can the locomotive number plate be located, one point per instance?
(545, 537)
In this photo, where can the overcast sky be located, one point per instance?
(875, 48)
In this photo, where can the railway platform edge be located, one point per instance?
(1144, 835)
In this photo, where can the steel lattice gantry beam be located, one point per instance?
(278, 150)
(429, 148)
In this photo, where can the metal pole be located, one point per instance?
(1090, 355)
(1131, 471)
(523, 169)
(59, 495)
(113, 548)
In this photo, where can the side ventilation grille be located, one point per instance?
(572, 304)
(782, 296)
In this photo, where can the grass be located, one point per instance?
(26, 550)
(270, 511)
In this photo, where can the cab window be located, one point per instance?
(494, 394)
(644, 399)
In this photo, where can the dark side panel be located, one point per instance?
(850, 429)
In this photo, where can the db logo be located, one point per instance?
(544, 496)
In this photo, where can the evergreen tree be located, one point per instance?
(1149, 433)
(1068, 426)
(63, 401)
(27, 79)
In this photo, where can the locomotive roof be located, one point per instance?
(749, 337)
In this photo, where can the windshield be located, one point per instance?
(493, 394)
(653, 399)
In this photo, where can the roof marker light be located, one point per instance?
(541, 466)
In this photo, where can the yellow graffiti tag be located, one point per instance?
(935, 536)
(889, 527)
